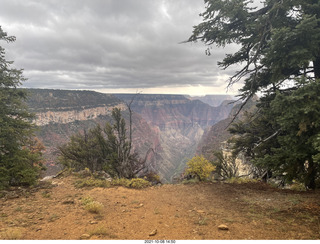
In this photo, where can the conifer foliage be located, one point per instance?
(20, 153)
(279, 55)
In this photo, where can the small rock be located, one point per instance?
(47, 178)
(153, 233)
(12, 195)
(139, 206)
(56, 183)
(200, 211)
(68, 202)
(84, 236)
(223, 227)
(93, 222)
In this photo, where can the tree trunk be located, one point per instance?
(316, 67)
(311, 175)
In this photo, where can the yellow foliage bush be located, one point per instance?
(139, 183)
(200, 167)
(91, 205)
(238, 180)
(86, 200)
(296, 186)
(133, 183)
(120, 182)
(92, 182)
(12, 234)
(94, 207)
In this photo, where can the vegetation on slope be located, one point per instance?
(59, 100)
(20, 152)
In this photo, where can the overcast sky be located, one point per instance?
(112, 46)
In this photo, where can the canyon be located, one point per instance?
(172, 125)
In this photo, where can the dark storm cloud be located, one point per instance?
(109, 44)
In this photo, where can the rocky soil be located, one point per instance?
(203, 211)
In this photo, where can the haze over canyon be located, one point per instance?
(172, 125)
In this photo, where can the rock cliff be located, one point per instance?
(172, 125)
(176, 111)
(215, 137)
(180, 122)
(213, 100)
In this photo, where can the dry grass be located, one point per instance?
(12, 234)
(102, 231)
(91, 205)
(94, 207)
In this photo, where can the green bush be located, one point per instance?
(190, 181)
(120, 182)
(4, 178)
(296, 186)
(199, 167)
(139, 183)
(86, 200)
(92, 182)
(152, 177)
(239, 180)
(94, 207)
(84, 173)
(91, 205)
(27, 176)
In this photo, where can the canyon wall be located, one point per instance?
(64, 117)
(181, 123)
(172, 125)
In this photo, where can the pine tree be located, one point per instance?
(277, 42)
(17, 162)
(279, 50)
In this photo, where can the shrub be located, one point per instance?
(99, 231)
(190, 181)
(152, 177)
(94, 207)
(296, 186)
(199, 167)
(91, 205)
(120, 182)
(12, 234)
(86, 200)
(139, 183)
(84, 173)
(92, 182)
(102, 231)
(238, 180)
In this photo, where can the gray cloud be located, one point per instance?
(109, 44)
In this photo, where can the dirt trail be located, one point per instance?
(170, 212)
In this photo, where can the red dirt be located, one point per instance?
(176, 212)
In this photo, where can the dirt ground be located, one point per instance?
(166, 212)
